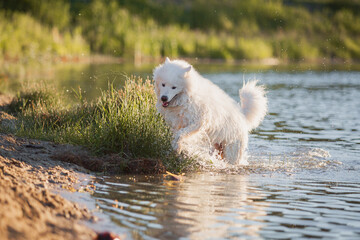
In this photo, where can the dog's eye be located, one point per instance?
(163, 84)
(173, 87)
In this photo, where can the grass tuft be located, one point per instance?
(123, 122)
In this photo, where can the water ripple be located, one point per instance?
(303, 180)
(208, 206)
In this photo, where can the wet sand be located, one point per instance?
(29, 209)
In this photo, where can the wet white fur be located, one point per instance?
(201, 108)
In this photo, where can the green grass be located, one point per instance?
(23, 38)
(121, 121)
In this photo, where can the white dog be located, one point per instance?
(193, 107)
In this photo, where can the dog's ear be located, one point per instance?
(187, 70)
(167, 60)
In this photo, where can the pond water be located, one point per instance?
(304, 178)
(308, 184)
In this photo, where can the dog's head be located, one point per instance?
(171, 82)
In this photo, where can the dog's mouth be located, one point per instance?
(166, 104)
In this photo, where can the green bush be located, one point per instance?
(22, 37)
(52, 13)
(36, 99)
(143, 29)
(254, 49)
(295, 49)
(121, 121)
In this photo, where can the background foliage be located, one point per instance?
(228, 29)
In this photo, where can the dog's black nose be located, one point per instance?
(164, 98)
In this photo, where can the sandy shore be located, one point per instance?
(31, 171)
(28, 207)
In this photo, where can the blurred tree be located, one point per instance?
(54, 13)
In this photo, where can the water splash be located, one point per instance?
(302, 158)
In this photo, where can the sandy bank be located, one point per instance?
(32, 170)
(28, 207)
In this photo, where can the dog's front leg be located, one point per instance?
(184, 133)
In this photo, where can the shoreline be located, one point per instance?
(144, 60)
(23, 69)
(29, 177)
(44, 69)
(34, 175)
(30, 183)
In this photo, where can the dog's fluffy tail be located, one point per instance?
(253, 103)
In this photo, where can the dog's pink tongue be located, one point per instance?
(165, 104)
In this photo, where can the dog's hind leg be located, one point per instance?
(242, 152)
(230, 152)
(242, 156)
(235, 153)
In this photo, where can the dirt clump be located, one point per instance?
(112, 163)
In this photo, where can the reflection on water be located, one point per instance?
(212, 208)
(203, 205)
(218, 206)
(91, 78)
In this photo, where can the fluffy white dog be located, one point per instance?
(194, 107)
